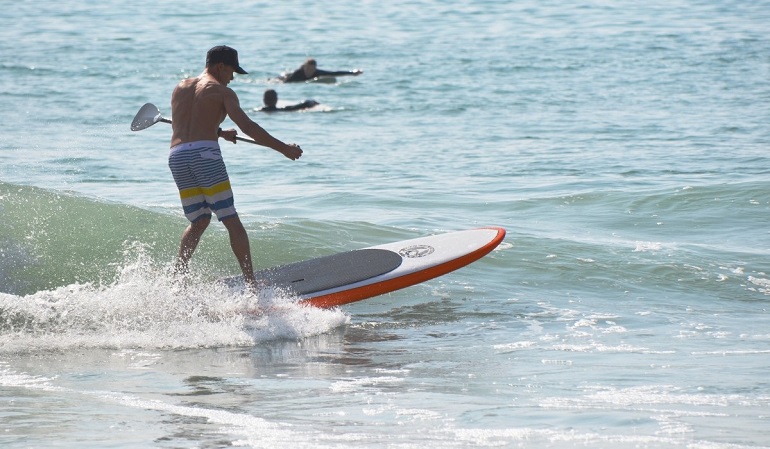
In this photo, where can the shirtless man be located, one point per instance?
(198, 106)
(310, 70)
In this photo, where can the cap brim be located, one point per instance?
(240, 70)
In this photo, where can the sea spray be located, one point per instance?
(148, 307)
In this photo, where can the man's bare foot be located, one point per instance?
(255, 286)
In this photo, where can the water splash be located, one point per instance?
(147, 307)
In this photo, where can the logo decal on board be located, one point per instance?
(415, 251)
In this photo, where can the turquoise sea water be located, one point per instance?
(623, 146)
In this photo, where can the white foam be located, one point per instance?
(365, 383)
(527, 437)
(648, 246)
(763, 284)
(248, 430)
(146, 308)
(599, 347)
(10, 378)
(653, 395)
(515, 346)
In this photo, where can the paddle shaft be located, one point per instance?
(149, 114)
(242, 139)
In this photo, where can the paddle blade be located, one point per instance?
(147, 116)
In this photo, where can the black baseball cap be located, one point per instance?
(226, 55)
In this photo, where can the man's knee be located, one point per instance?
(201, 223)
(236, 229)
(232, 222)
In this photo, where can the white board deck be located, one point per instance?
(351, 276)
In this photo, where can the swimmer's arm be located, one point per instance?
(304, 105)
(355, 72)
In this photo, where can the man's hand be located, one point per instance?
(292, 151)
(229, 135)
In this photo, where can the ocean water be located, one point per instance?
(623, 145)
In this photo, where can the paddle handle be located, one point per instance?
(243, 139)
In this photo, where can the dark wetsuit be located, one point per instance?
(299, 75)
(295, 107)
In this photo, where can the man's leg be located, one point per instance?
(239, 242)
(190, 238)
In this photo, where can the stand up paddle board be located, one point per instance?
(351, 276)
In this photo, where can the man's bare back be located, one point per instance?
(197, 106)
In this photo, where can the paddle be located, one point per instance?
(149, 114)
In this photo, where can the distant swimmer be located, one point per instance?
(309, 70)
(270, 98)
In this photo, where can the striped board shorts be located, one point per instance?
(201, 177)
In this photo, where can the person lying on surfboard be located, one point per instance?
(309, 70)
(198, 106)
(270, 98)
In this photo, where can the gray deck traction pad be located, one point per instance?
(333, 271)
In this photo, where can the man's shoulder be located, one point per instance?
(210, 83)
(214, 89)
(187, 83)
(201, 85)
